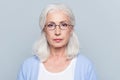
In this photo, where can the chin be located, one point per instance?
(58, 46)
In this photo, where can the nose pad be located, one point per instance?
(57, 31)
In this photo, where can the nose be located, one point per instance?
(57, 30)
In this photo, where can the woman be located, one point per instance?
(57, 52)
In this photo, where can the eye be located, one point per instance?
(50, 25)
(64, 24)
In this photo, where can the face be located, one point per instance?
(58, 36)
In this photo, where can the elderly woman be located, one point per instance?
(57, 54)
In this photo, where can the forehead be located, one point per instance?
(57, 15)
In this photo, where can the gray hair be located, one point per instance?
(41, 47)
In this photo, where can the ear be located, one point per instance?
(71, 30)
(44, 29)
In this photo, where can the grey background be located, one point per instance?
(97, 24)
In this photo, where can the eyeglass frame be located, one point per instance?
(60, 24)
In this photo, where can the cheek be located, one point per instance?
(67, 36)
(48, 36)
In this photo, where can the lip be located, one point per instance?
(57, 39)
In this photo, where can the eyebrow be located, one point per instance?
(59, 22)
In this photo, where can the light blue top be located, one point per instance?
(84, 69)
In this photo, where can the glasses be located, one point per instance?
(62, 26)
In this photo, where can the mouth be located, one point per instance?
(57, 40)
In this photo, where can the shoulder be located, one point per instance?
(30, 61)
(28, 67)
(83, 60)
(84, 68)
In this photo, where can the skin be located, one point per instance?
(57, 40)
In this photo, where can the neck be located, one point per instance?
(58, 52)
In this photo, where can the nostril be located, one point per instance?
(57, 32)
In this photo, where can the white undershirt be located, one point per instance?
(67, 74)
